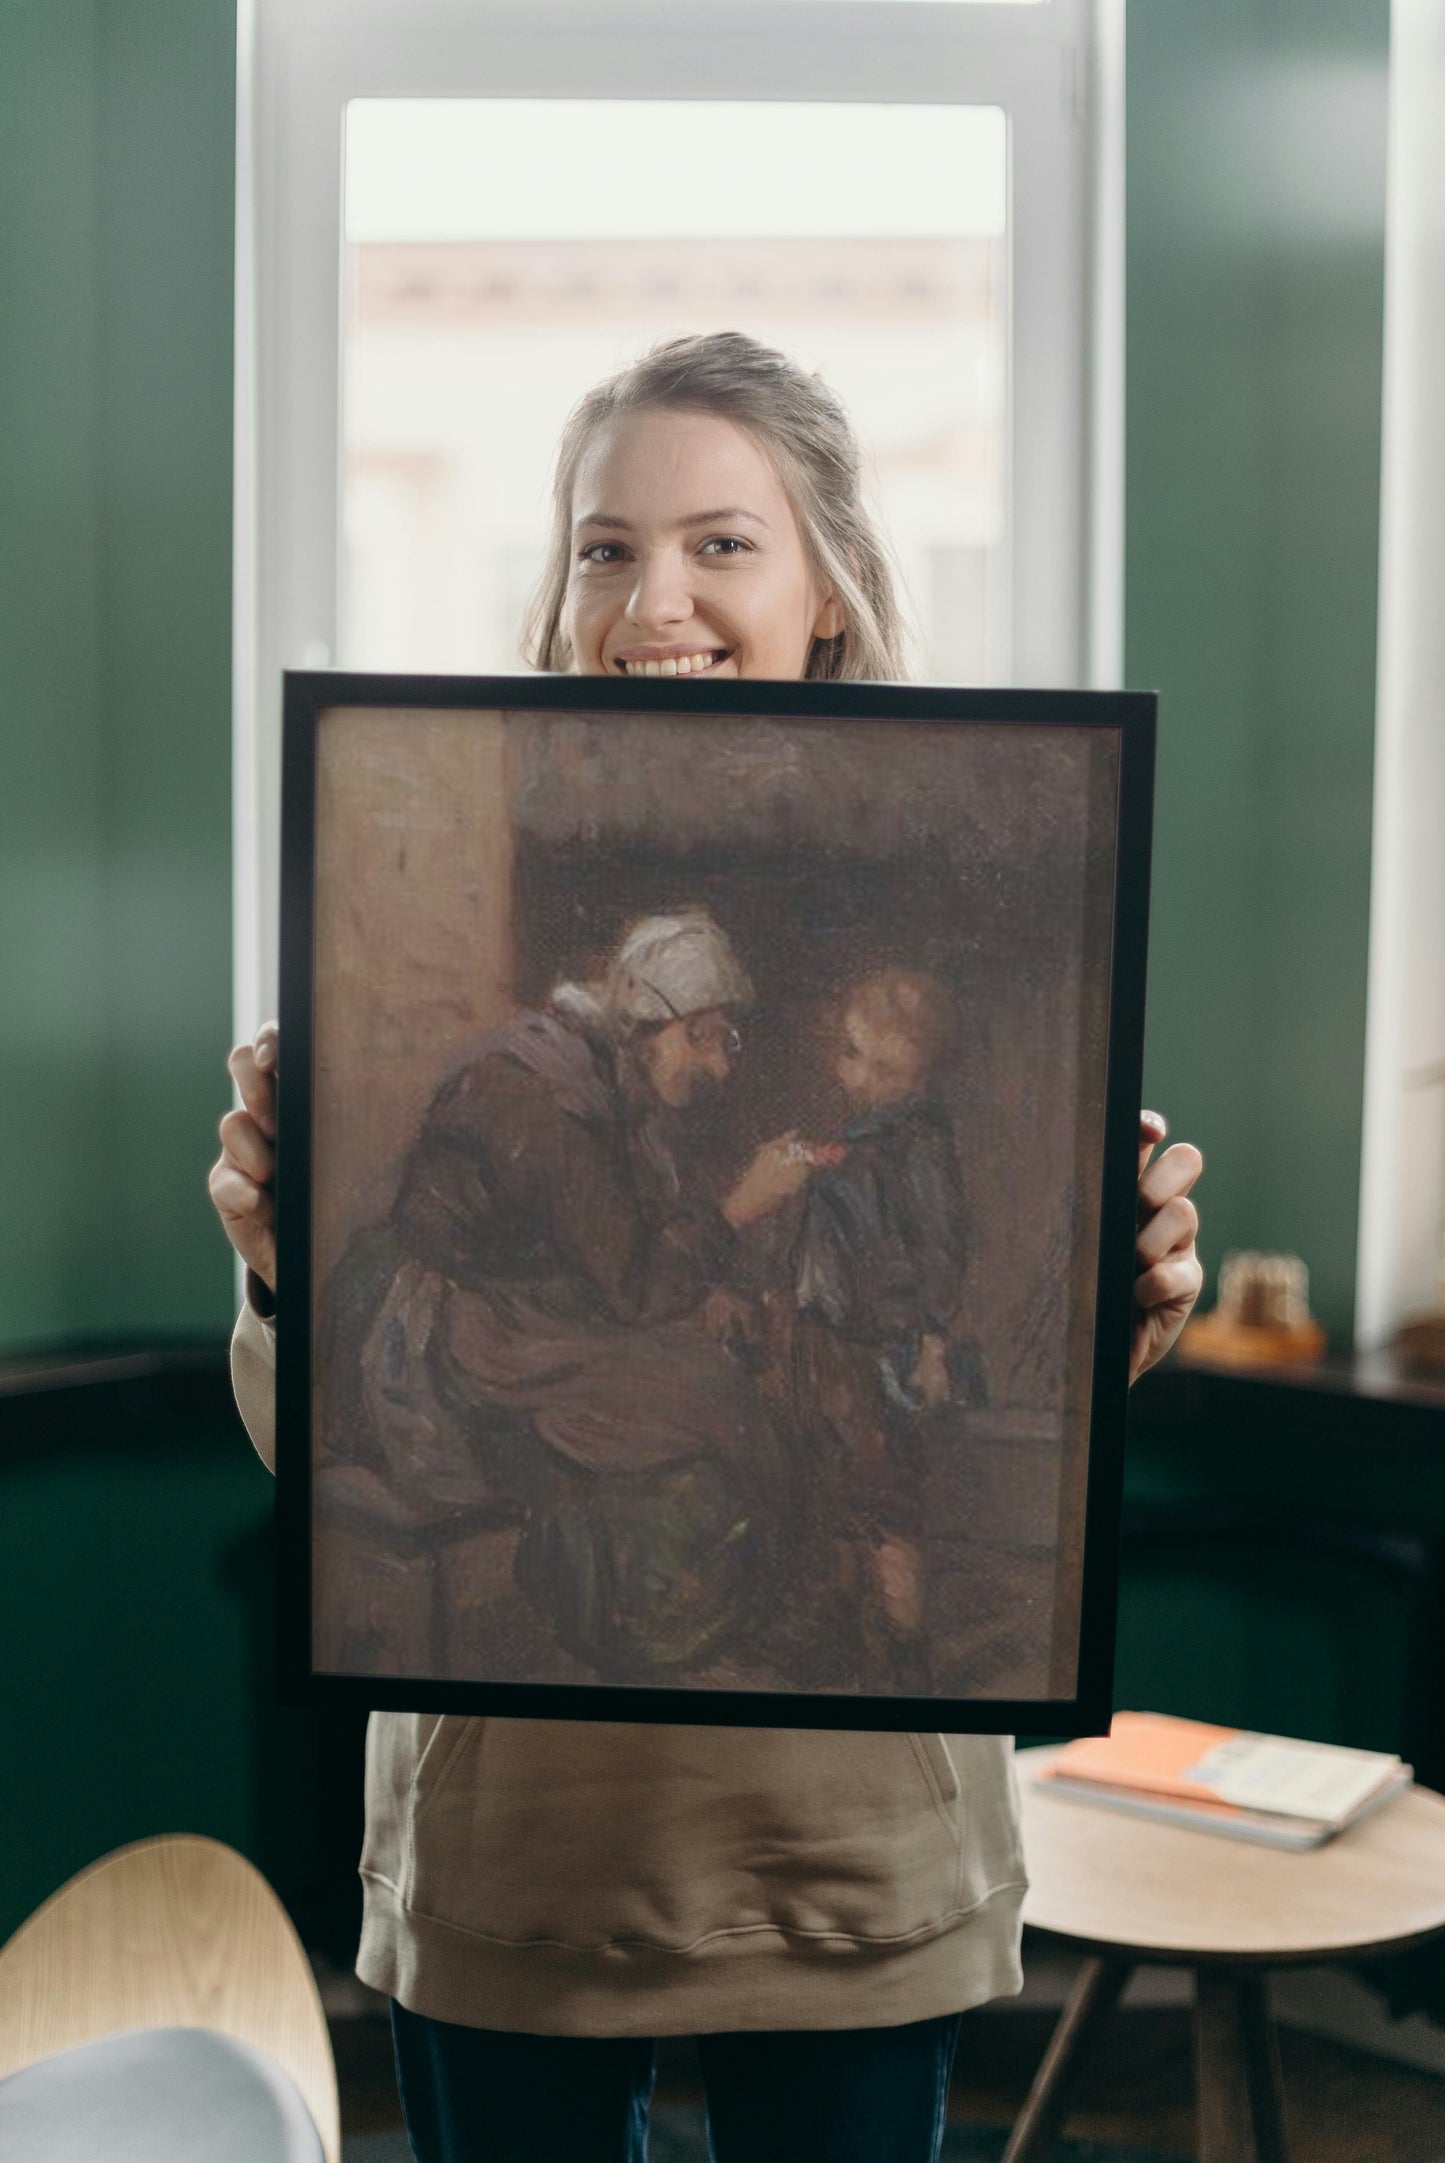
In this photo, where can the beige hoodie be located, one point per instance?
(577, 1878)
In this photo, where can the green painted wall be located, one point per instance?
(1290, 1639)
(137, 1569)
(1255, 267)
(136, 1561)
(52, 961)
(128, 1564)
(116, 158)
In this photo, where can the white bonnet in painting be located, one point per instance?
(668, 967)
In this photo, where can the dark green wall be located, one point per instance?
(1304, 1629)
(130, 1549)
(52, 963)
(134, 1553)
(137, 1603)
(117, 135)
(1255, 266)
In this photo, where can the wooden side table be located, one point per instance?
(1125, 1891)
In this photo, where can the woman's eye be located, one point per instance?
(601, 552)
(725, 544)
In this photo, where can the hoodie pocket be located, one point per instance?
(451, 1738)
(940, 1775)
(587, 1835)
(440, 1753)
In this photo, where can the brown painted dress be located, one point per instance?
(532, 1327)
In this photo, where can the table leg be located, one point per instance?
(1261, 2043)
(1241, 2114)
(1095, 1994)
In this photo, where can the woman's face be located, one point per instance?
(686, 557)
(688, 1058)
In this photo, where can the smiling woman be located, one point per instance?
(543, 1896)
(644, 577)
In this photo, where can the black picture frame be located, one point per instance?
(1127, 720)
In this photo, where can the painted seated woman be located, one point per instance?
(536, 1326)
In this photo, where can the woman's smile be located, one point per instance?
(672, 660)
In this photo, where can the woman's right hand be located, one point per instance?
(775, 1174)
(241, 1180)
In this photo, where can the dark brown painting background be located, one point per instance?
(467, 861)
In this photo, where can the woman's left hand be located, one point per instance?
(1168, 1275)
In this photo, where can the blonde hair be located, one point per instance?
(804, 428)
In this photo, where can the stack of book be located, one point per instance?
(1269, 1788)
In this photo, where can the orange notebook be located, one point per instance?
(1155, 1754)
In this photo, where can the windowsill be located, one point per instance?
(99, 1361)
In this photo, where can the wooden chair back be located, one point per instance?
(176, 1932)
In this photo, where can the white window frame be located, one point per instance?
(1056, 69)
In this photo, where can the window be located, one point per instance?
(504, 255)
(449, 213)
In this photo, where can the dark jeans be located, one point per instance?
(844, 2095)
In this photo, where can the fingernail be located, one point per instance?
(1156, 1120)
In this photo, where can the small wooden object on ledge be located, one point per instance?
(1262, 1317)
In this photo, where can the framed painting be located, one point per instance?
(706, 1196)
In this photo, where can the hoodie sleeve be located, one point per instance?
(253, 1376)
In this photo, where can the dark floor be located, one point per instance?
(1343, 2106)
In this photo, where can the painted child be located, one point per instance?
(878, 1267)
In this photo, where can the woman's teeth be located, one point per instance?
(686, 664)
